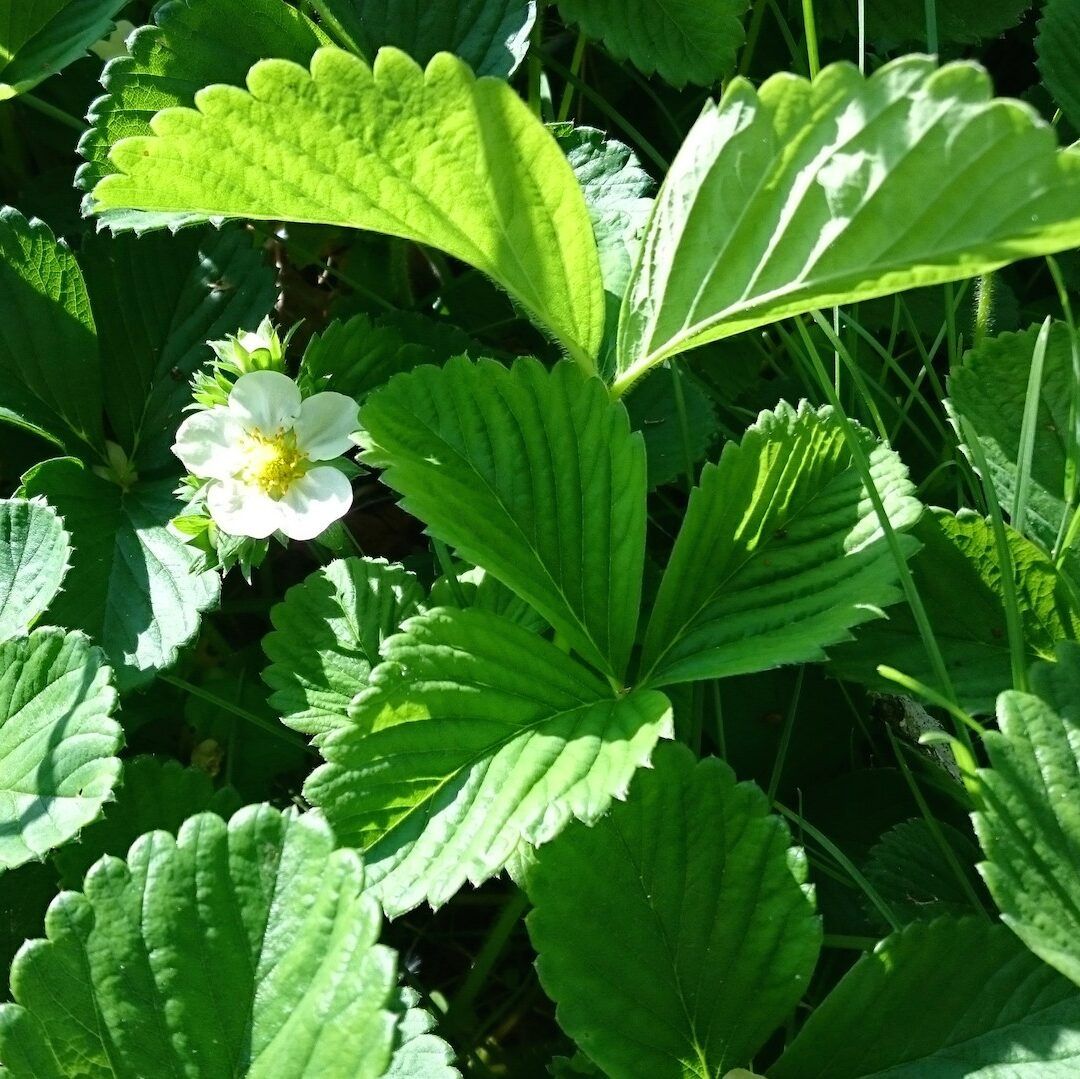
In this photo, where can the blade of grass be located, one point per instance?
(785, 736)
(946, 848)
(1027, 429)
(849, 866)
(907, 581)
(1013, 622)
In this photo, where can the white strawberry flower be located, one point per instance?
(262, 454)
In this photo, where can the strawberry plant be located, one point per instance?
(539, 539)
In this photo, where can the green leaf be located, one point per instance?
(1058, 49)
(420, 1054)
(157, 301)
(132, 585)
(803, 195)
(958, 576)
(903, 22)
(157, 795)
(533, 475)
(40, 38)
(57, 741)
(618, 194)
(327, 636)
(654, 411)
(480, 590)
(989, 390)
(193, 44)
(780, 553)
(438, 157)
(475, 737)
(911, 873)
(962, 997)
(361, 354)
(244, 948)
(34, 553)
(1029, 819)
(491, 36)
(677, 932)
(681, 40)
(48, 347)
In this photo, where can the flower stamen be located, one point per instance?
(272, 462)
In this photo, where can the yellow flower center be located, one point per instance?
(272, 462)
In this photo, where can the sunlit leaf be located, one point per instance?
(327, 635)
(367, 148)
(190, 45)
(244, 948)
(34, 554)
(780, 554)
(803, 195)
(533, 475)
(58, 741)
(476, 737)
(963, 998)
(1029, 818)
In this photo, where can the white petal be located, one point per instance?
(314, 503)
(325, 423)
(266, 400)
(207, 443)
(243, 510)
(253, 340)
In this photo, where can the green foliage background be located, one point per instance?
(691, 689)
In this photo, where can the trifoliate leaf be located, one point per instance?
(244, 948)
(132, 584)
(34, 553)
(491, 36)
(40, 38)
(155, 795)
(327, 635)
(57, 741)
(1029, 819)
(989, 391)
(192, 44)
(963, 998)
(438, 157)
(803, 195)
(48, 350)
(476, 737)
(533, 475)
(780, 553)
(157, 301)
(681, 40)
(716, 930)
(1058, 49)
(958, 575)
